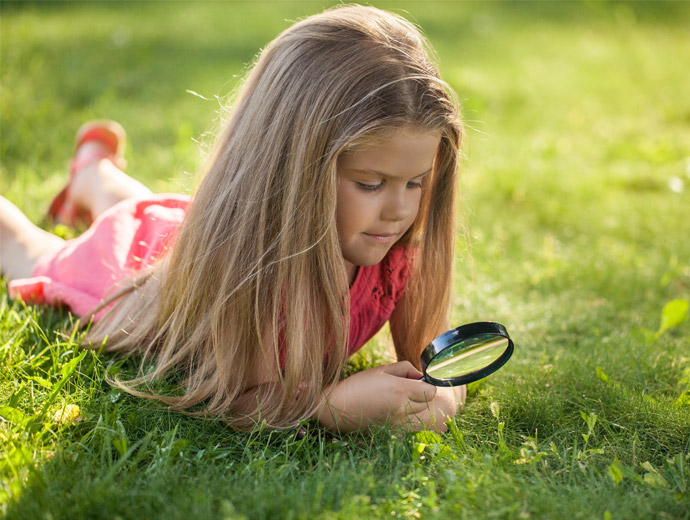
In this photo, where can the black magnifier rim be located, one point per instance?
(463, 333)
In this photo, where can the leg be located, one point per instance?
(21, 242)
(100, 185)
(97, 179)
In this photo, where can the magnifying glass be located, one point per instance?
(466, 354)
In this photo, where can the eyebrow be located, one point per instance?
(386, 175)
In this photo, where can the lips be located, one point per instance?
(383, 238)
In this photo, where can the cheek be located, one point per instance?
(352, 206)
(346, 211)
(416, 203)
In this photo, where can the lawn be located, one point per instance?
(576, 195)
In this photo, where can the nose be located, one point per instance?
(399, 205)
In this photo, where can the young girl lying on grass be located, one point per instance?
(326, 209)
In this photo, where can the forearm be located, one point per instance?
(386, 394)
(342, 411)
(336, 417)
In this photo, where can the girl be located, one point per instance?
(327, 208)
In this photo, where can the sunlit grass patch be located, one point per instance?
(576, 190)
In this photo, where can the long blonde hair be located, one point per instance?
(256, 276)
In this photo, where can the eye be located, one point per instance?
(414, 184)
(369, 187)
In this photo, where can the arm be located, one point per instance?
(388, 393)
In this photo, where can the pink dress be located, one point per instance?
(135, 233)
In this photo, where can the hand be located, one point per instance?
(387, 394)
(447, 404)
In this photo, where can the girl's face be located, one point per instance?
(379, 190)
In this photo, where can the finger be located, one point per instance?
(416, 407)
(419, 391)
(416, 421)
(422, 420)
(425, 421)
(431, 417)
(402, 369)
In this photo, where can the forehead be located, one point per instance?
(405, 151)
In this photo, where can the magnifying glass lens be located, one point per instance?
(467, 356)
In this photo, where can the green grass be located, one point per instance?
(578, 129)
